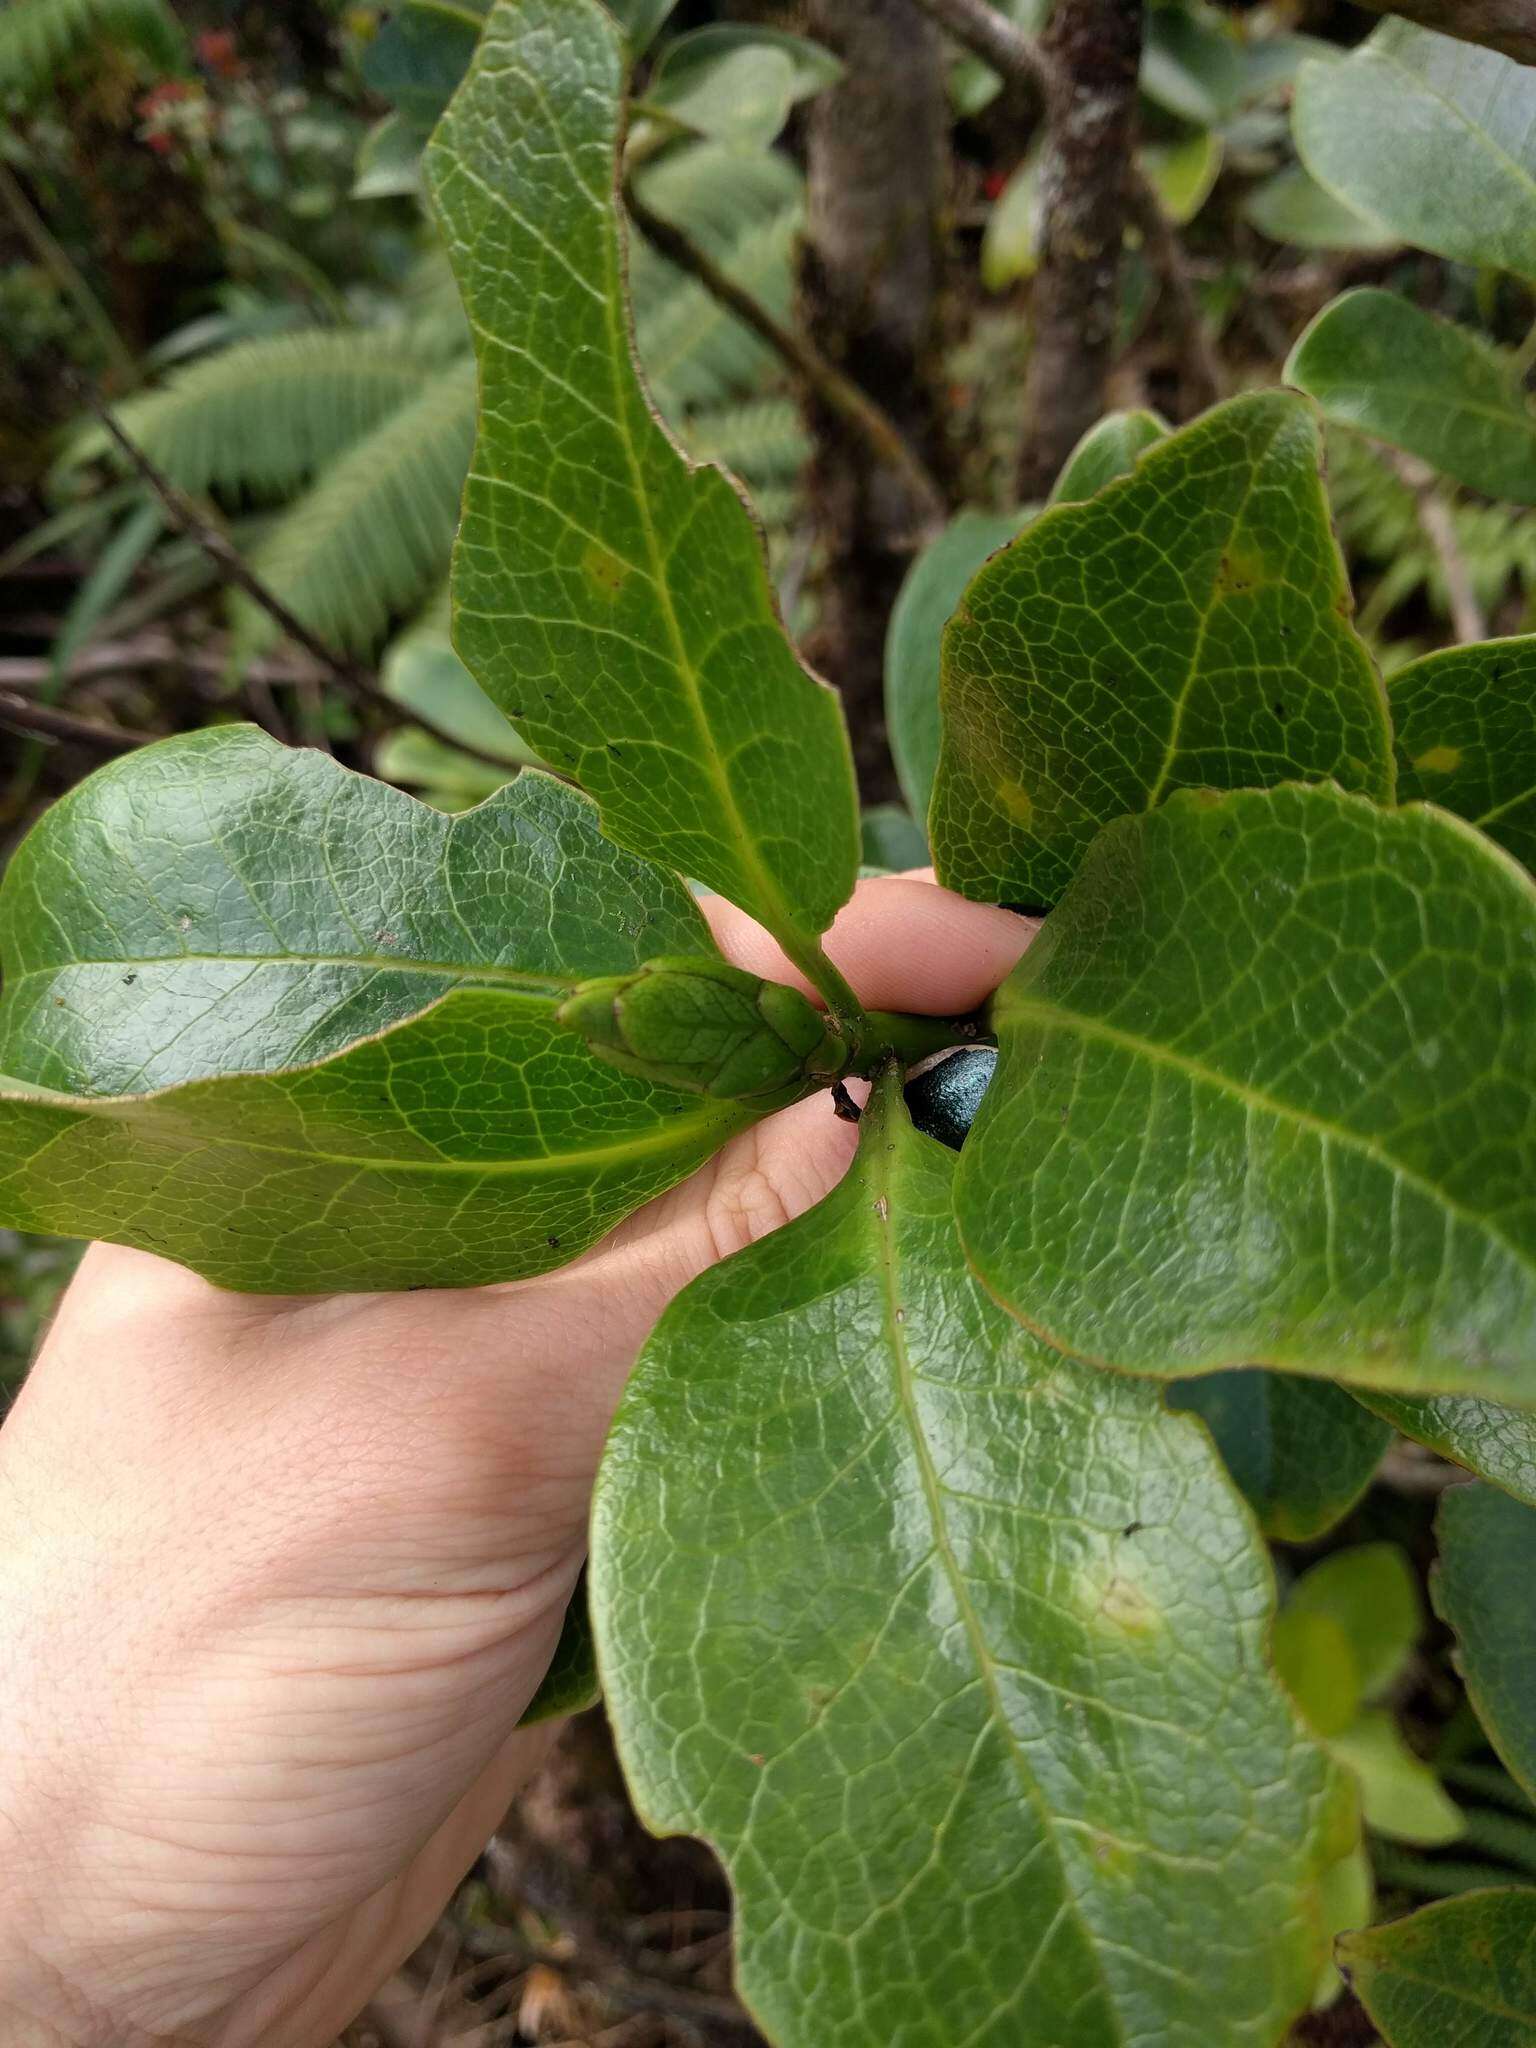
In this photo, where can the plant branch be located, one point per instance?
(1203, 376)
(1095, 50)
(838, 393)
(1439, 529)
(992, 37)
(46, 722)
(234, 569)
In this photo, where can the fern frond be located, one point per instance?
(365, 542)
(1377, 516)
(40, 38)
(744, 210)
(761, 440)
(263, 416)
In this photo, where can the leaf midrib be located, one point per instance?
(933, 1493)
(1043, 1009)
(83, 1109)
(1213, 604)
(781, 920)
(1489, 145)
(512, 977)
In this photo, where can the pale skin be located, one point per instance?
(279, 1576)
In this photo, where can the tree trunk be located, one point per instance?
(1096, 46)
(871, 275)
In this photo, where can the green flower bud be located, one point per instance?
(708, 1027)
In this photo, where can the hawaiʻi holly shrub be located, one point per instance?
(908, 1589)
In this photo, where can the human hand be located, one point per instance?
(279, 1575)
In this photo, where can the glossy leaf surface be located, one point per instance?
(1111, 448)
(1465, 722)
(1377, 362)
(1462, 1971)
(222, 904)
(1496, 1442)
(1433, 137)
(1266, 1092)
(1302, 1451)
(479, 1141)
(611, 600)
(1481, 1588)
(937, 1637)
(1186, 627)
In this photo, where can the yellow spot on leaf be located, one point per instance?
(1017, 802)
(1439, 761)
(1116, 1600)
(603, 569)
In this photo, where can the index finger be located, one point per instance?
(903, 942)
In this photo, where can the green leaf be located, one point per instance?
(936, 1636)
(1462, 1972)
(1370, 1590)
(892, 839)
(388, 160)
(1496, 1442)
(641, 21)
(738, 82)
(1109, 450)
(1481, 1588)
(1186, 627)
(1465, 725)
(1191, 65)
(219, 903)
(1010, 241)
(418, 57)
(1266, 1094)
(570, 1684)
(1302, 1451)
(422, 673)
(1314, 1660)
(1349, 1899)
(1400, 1796)
(1293, 207)
(1433, 137)
(612, 601)
(929, 593)
(478, 1141)
(1373, 361)
(740, 95)
(1183, 171)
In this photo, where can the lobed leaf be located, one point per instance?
(1433, 137)
(614, 602)
(1487, 1556)
(1465, 725)
(1266, 1093)
(345, 1004)
(1462, 1971)
(955, 1650)
(1186, 627)
(220, 903)
(476, 1142)
(1378, 363)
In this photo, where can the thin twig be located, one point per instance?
(234, 569)
(1203, 373)
(1439, 529)
(992, 37)
(45, 722)
(838, 393)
